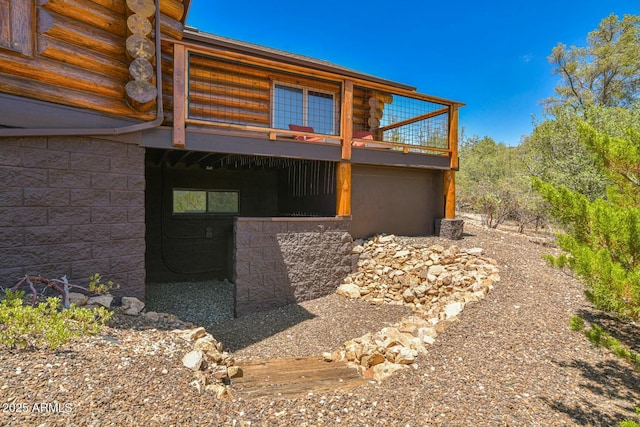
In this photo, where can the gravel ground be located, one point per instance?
(509, 361)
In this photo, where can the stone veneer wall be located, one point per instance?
(279, 261)
(72, 206)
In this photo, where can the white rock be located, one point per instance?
(401, 254)
(102, 300)
(349, 290)
(357, 249)
(385, 370)
(406, 356)
(386, 239)
(474, 251)
(132, 306)
(453, 309)
(193, 360)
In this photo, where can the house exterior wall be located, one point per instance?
(279, 261)
(395, 200)
(72, 206)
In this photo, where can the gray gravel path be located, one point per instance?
(510, 361)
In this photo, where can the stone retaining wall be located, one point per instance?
(72, 206)
(279, 261)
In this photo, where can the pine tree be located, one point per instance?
(602, 239)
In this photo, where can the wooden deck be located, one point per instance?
(293, 376)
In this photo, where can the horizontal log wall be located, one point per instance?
(80, 56)
(228, 92)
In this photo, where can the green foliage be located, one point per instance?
(555, 153)
(45, 325)
(97, 286)
(601, 338)
(492, 181)
(605, 72)
(631, 423)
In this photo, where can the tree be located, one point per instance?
(602, 237)
(493, 182)
(606, 72)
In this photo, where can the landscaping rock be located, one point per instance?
(101, 300)
(435, 282)
(78, 299)
(132, 306)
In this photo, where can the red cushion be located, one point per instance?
(363, 134)
(298, 128)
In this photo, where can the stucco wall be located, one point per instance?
(395, 200)
(279, 261)
(72, 206)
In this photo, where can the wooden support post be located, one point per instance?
(449, 192)
(343, 189)
(179, 95)
(453, 136)
(346, 124)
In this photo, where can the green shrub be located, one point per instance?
(45, 325)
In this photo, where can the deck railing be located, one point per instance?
(227, 90)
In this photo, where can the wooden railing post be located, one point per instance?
(346, 119)
(453, 136)
(343, 189)
(179, 95)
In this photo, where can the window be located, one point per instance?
(16, 26)
(304, 107)
(205, 202)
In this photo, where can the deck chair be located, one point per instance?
(307, 129)
(361, 134)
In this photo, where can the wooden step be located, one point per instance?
(293, 376)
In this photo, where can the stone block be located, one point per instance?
(47, 235)
(449, 228)
(135, 214)
(11, 236)
(45, 159)
(87, 197)
(10, 197)
(88, 162)
(90, 232)
(109, 148)
(46, 197)
(69, 251)
(110, 181)
(275, 226)
(85, 268)
(63, 178)
(127, 198)
(19, 216)
(127, 166)
(68, 143)
(22, 177)
(127, 263)
(127, 231)
(109, 215)
(10, 156)
(135, 182)
(64, 215)
(21, 256)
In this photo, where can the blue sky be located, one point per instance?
(490, 55)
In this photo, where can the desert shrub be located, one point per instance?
(45, 325)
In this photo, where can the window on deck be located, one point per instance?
(304, 107)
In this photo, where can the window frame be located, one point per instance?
(305, 104)
(19, 35)
(206, 211)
